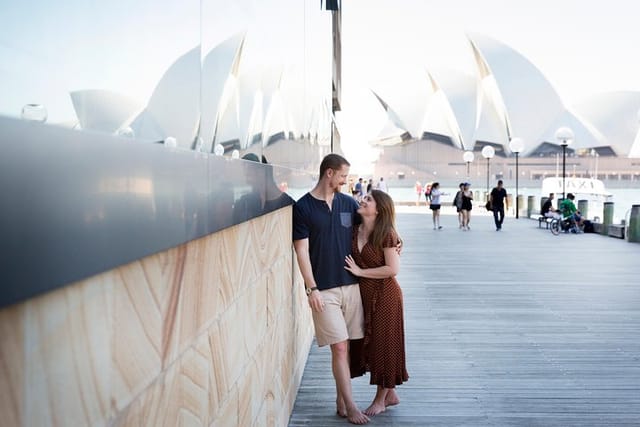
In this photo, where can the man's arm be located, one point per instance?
(304, 262)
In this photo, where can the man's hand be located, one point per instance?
(316, 302)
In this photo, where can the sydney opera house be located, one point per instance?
(147, 270)
(448, 112)
(252, 77)
(252, 88)
(146, 262)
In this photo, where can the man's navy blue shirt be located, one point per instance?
(329, 233)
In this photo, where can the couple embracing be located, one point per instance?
(348, 257)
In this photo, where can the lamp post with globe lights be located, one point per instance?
(516, 145)
(468, 158)
(565, 136)
(488, 152)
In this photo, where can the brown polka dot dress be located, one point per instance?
(382, 351)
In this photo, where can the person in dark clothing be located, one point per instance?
(322, 237)
(498, 200)
(547, 210)
(264, 195)
(547, 206)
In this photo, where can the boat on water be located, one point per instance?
(589, 189)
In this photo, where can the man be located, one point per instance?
(352, 187)
(369, 186)
(498, 200)
(382, 186)
(547, 208)
(322, 231)
(568, 209)
(359, 189)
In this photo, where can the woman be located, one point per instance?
(457, 202)
(376, 261)
(467, 197)
(435, 204)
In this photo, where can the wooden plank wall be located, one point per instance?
(213, 332)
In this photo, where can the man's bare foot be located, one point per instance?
(341, 408)
(355, 416)
(375, 408)
(392, 398)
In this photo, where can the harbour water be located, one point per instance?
(623, 198)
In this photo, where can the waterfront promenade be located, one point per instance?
(510, 328)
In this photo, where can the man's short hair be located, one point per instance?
(500, 182)
(332, 161)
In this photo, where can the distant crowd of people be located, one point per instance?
(362, 187)
(463, 202)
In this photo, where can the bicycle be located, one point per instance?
(566, 224)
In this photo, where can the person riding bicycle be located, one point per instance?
(569, 211)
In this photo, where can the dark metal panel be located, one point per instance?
(76, 203)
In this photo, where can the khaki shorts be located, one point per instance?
(342, 318)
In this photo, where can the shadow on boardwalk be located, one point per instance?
(510, 328)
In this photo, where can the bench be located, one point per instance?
(544, 220)
(616, 230)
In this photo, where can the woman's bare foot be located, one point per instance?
(392, 398)
(375, 408)
(355, 416)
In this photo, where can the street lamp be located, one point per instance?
(516, 145)
(487, 153)
(565, 136)
(468, 157)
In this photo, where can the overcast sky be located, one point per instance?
(582, 47)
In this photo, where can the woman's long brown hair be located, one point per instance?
(385, 220)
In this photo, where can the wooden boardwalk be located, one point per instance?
(510, 328)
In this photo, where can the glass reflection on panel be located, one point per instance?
(103, 64)
(34, 113)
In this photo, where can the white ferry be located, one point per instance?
(589, 189)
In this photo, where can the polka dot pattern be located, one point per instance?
(382, 352)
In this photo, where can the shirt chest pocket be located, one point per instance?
(345, 219)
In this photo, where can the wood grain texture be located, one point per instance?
(12, 364)
(510, 328)
(207, 333)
